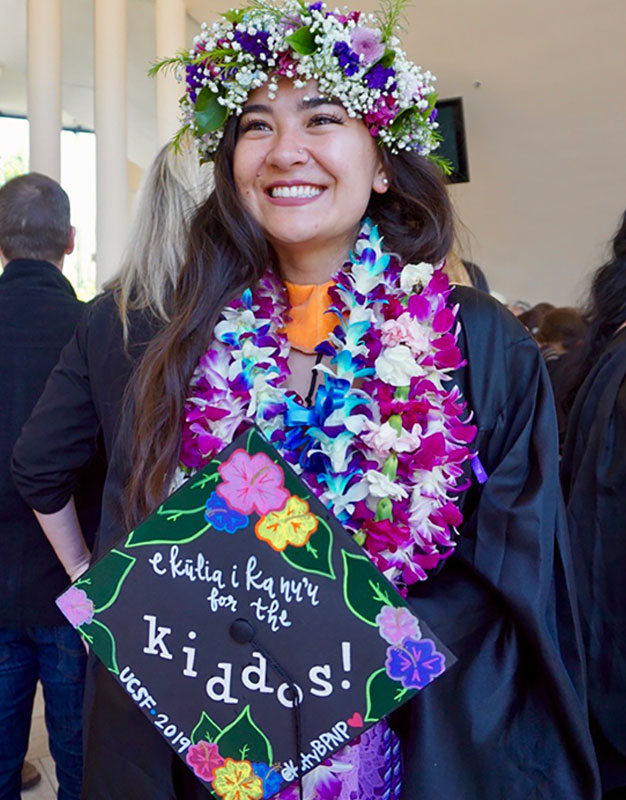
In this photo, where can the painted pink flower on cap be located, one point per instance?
(76, 607)
(252, 483)
(204, 758)
(397, 624)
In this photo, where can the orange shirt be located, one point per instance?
(308, 324)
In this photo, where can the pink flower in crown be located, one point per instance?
(396, 624)
(286, 64)
(366, 44)
(252, 483)
(204, 758)
(76, 607)
(384, 112)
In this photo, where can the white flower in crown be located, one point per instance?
(415, 276)
(396, 366)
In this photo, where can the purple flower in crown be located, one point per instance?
(378, 76)
(366, 43)
(415, 663)
(222, 517)
(348, 59)
(76, 607)
(253, 43)
(316, 6)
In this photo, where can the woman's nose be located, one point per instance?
(287, 150)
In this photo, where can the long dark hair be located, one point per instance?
(228, 253)
(604, 310)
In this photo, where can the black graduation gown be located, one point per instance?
(508, 720)
(594, 482)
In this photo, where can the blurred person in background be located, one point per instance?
(560, 336)
(38, 314)
(531, 319)
(79, 410)
(593, 472)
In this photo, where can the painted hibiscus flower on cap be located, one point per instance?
(292, 525)
(204, 758)
(235, 780)
(76, 606)
(252, 483)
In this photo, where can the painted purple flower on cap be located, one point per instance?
(366, 43)
(415, 663)
(76, 607)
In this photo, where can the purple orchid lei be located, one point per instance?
(385, 443)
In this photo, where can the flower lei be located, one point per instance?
(354, 57)
(385, 443)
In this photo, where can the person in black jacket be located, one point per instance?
(593, 472)
(38, 314)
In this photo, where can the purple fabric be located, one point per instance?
(369, 768)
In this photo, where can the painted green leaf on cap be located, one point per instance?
(101, 641)
(244, 739)
(209, 114)
(206, 730)
(106, 578)
(382, 694)
(364, 590)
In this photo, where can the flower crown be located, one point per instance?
(354, 57)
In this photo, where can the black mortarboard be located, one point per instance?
(238, 594)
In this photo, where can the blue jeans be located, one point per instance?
(57, 658)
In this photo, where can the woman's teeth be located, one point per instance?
(295, 191)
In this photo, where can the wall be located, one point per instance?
(546, 133)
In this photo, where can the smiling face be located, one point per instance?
(305, 170)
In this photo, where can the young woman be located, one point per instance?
(594, 476)
(320, 130)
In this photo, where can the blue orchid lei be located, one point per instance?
(385, 442)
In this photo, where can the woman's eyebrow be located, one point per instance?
(314, 102)
(256, 108)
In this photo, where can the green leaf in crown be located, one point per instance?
(364, 590)
(302, 41)
(209, 113)
(206, 729)
(103, 583)
(382, 694)
(243, 739)
(316, 555)
(101, 641)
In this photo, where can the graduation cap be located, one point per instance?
(249, 627)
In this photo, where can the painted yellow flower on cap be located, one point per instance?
(235, 780)
(292, 525)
